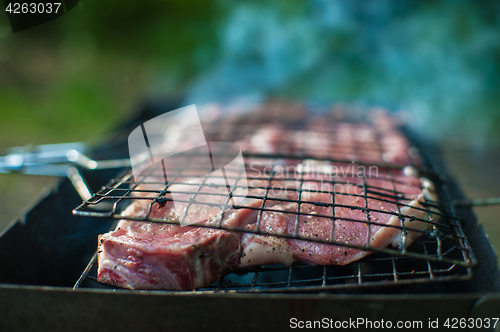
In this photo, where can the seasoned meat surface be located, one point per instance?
(309, 198)
(147, 255)
(352, 223)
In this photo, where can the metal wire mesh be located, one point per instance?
(374, 271)
(441, 253)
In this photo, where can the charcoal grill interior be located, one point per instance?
(442, 254)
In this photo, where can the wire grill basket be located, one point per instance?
(442, 252)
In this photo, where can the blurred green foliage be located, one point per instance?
(75, 77)
(78, 76)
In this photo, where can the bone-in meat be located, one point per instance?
(366, 211)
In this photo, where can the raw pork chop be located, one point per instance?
(350, 226)
(379, 142)
(147, 255)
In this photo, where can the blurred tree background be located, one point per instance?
(78, 76)
(75, 78)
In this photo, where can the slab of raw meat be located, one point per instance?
(379, 142)
(352, 224)
(147, 255)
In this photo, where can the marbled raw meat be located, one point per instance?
(352, 224)
(146, 255)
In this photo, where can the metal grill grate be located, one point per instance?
(442, 253)
(373, 271)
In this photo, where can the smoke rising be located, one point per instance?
(438, 61)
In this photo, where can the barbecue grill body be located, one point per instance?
(56, 309)
(44, 253)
